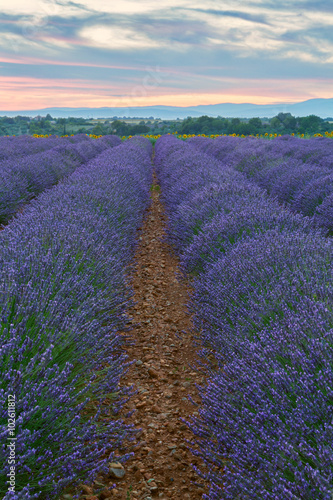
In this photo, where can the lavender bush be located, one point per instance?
(24, 145)
(324, 215)
(64, 264)
(267, 419)
(22, 178)
(248, 217)
(298, 172)
(262, 303)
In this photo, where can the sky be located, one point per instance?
(122, 53)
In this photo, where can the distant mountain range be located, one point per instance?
(319, 107)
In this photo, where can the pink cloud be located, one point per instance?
(41, 61)
(24, 93)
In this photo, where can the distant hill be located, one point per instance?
(319, 107)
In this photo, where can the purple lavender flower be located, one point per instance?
(262, 299)
(24, 177)
(64, 263)
(297, 172)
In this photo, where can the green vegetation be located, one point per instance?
(283, 123)
(42, 125)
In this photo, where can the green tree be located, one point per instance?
(284, 122)
(138, 129)
(120, 127)
(276, 124)
(309, 124)
(98, 130)
(187, 126)
(35, 128)
(255, 125)
(62, 121)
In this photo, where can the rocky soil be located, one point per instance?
(165, 355)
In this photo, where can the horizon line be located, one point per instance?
(166, 105)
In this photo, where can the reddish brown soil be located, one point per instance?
(161, 467)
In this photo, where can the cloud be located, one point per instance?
(88, 93)
(199, 47)
(116, 38)
(253, 18)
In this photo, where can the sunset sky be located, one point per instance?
(96, 53)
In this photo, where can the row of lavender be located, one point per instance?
(11, 147)
(22, 177)
(24, 145)
(298, 172)
(64, 263)
(262, 302)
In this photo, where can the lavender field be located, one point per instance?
(262, 281)
(298, 173)
(63, 299)
(252, 223)
(29, 166)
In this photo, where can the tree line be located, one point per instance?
(283, 123)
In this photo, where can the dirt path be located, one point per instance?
(162, 373)
(161, 467)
